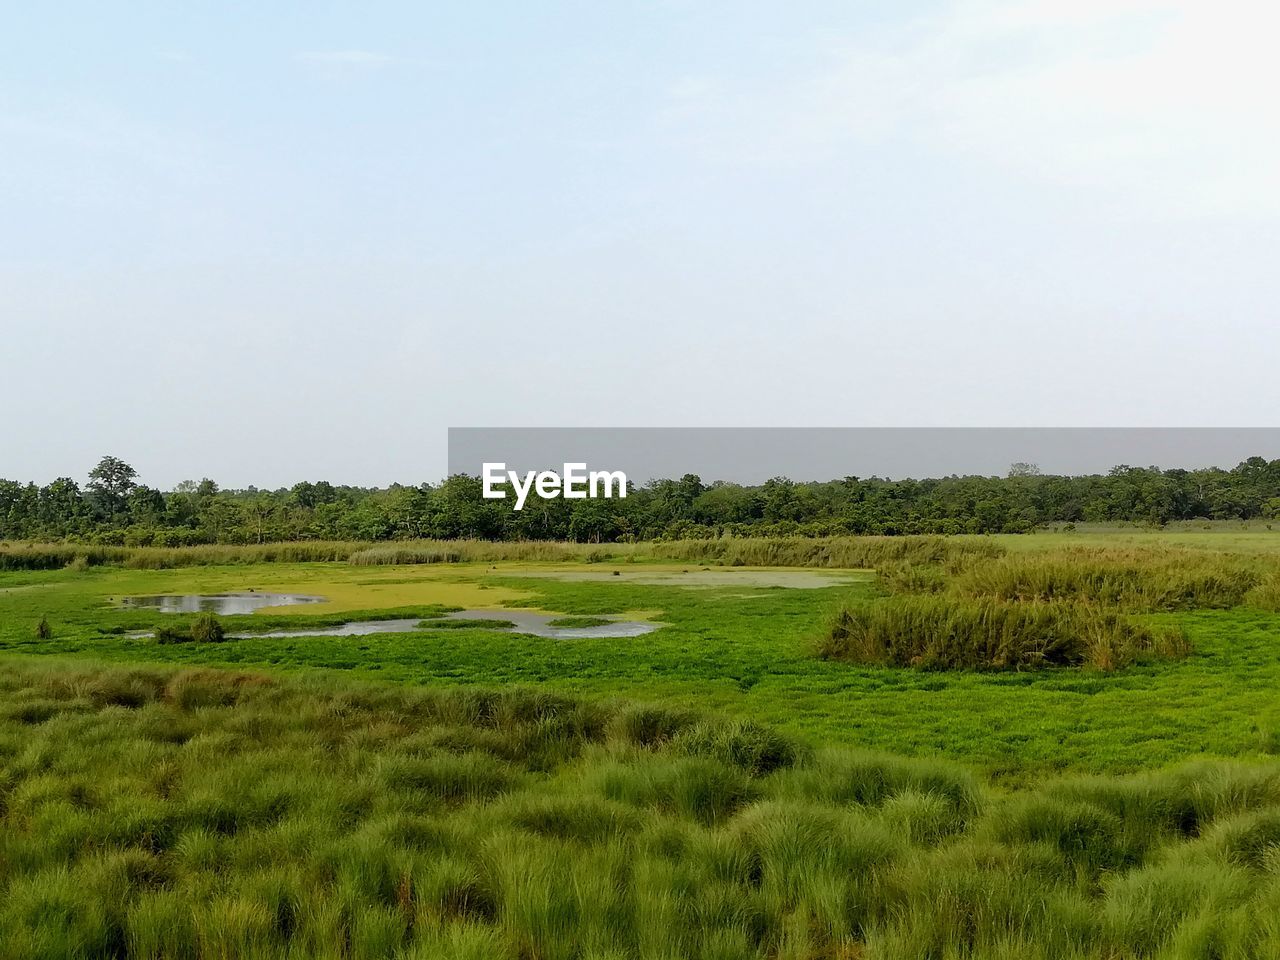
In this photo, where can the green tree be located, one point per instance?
(110, 483)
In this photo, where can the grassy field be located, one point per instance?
(154, 812)
(746, 650)
(715, 788)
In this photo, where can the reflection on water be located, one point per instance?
(359, 628)
(522, 621)
(226, 604)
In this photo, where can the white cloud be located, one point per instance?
(351, 58)
(1167, 102)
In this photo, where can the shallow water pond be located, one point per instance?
(357, 628)
(507, 621)
(226, 604)
(540, 624)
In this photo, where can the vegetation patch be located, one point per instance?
(748, 652)
(1150, 579)
(946, 633)
(205, 628)
(838, 552)
(579, 622)
(230, 814)
(444, 623)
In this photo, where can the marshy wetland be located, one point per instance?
(1045, 746)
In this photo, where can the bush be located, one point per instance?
(43, 630)
(168, 634)
(207, 629)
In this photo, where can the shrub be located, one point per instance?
(43, 630)
(207, 629)
(167, 634)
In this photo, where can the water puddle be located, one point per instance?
(505, 621)
(541, 624)
(225, 604)
(358, 628)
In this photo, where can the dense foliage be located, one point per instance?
(114, 509)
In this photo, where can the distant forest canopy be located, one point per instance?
(113, 508)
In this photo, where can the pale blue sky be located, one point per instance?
(268, 242)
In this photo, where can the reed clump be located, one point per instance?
(938, 632)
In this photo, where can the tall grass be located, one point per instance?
(836, 552)
(56, 556)
(160, 813)
(470, 551)
(1134, 579)
(840, 552)
(947, 633)
(845, 552)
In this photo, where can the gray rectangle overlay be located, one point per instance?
(751, 455)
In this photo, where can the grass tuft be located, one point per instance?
(945, 633)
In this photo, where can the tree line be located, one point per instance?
(114, 508)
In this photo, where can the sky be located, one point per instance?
(271, 242)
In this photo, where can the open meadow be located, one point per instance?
(1056, 745)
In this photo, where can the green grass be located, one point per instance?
(746, 651)
(1142, 579)
(843, 552)
(948, 633)
(711, 789)
(155, 812)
